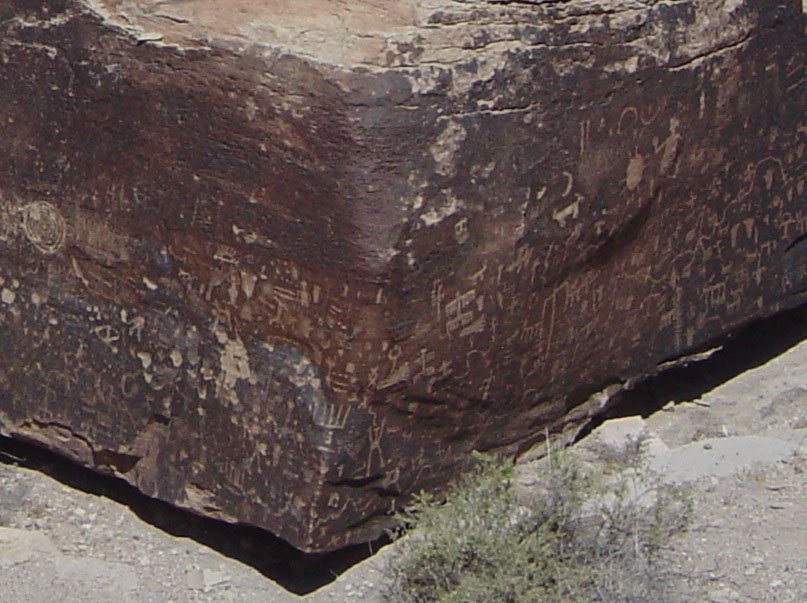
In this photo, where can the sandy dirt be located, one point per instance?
(741, 444)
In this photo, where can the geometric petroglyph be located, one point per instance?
(43, 226)
(330, 416)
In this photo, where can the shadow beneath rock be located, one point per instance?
(748, 347)
(294, 570)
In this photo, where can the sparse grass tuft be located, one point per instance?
(582, 537)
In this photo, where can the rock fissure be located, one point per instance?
(712, 53)
(357, 482)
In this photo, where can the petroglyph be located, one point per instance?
(635, 170)
(330, 416)
(234, 361)
(44, 226)
(570, 211)
(145, 359)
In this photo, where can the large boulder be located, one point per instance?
(287, 262)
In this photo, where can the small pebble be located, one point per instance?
(723, 595)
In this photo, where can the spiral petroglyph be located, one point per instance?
(43, 226)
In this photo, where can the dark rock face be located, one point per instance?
(284, 265)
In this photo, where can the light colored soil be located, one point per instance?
(742, 446)
(748, 541)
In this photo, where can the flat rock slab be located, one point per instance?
(718, 457)
(19, 546)
(286, 263)
(32, 567)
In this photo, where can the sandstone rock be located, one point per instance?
(284, 263)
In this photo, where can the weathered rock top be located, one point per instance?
(418, 33)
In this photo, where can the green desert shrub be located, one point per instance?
(581, 537)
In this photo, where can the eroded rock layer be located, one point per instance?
(286, 262)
